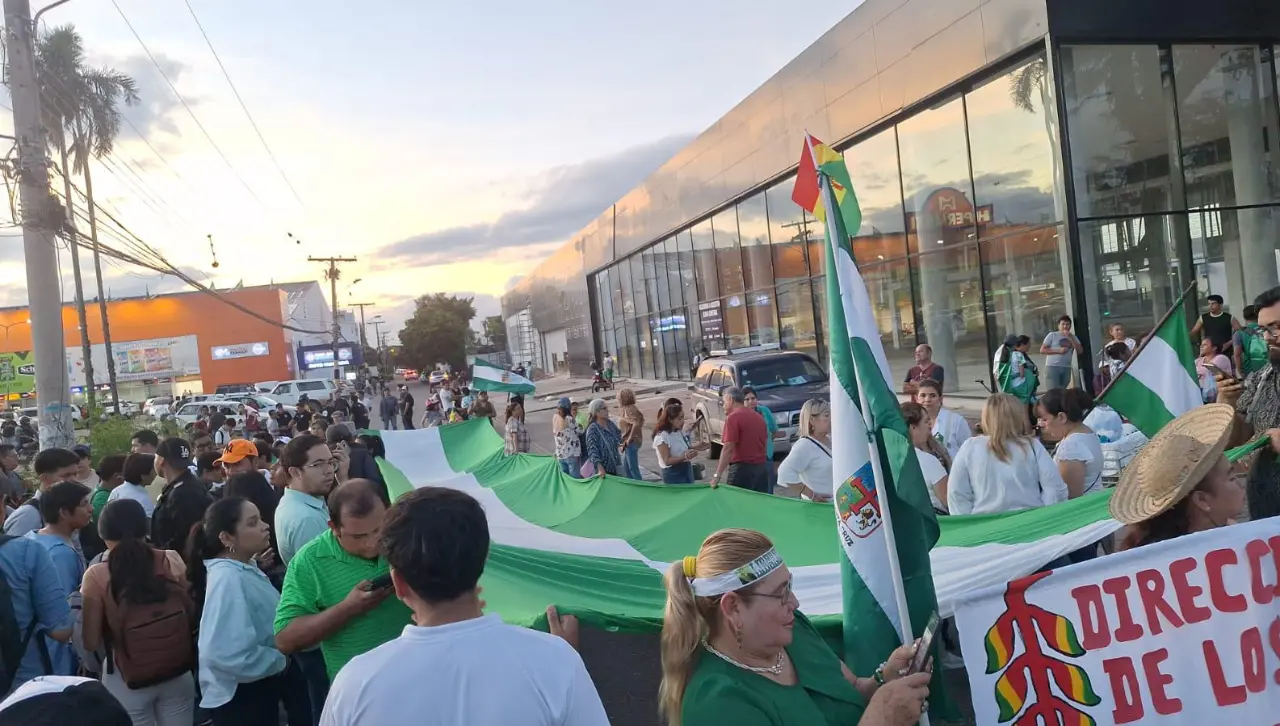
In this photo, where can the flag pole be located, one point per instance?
(1143, 345)
(877, 470)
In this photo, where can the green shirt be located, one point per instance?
(720, 693)
(99, 500)
(320, 576)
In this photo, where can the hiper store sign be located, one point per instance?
(1181, 632)
(240, 350)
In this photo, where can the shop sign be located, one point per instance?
(241, 350)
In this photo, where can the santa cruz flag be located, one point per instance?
(885, 518)
(486, 376)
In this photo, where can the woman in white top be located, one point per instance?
(1061, 414)
(1006, 469)
(139, 472)
(809, 461)
(949, 428)
(675, 452)
(932, 457)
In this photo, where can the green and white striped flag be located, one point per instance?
(598, 548)
(1160, 382)
(486, 376)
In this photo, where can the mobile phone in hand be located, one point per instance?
(926, 644)
(1216, 371)
(381, 582)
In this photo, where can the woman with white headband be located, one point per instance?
(734, 650)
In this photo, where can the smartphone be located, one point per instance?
(1216, 371)
(926, 644)
(381, 582)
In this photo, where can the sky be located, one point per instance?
(447, 147)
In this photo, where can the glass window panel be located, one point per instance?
(1025, 284)
(1010, 132)
(763, 316)
(604, 300)
(667, 258)
(819, 314)
(640, 304)
(1228, 258)
(935, 177)
(630, 356)
(1118, 127)
(728, 257)
(818, 252)
(614, 343)
(951, 310)
(645, 347)
(628, 305)
(889, 287)
(688, 287)
(704, 258)
(1136, 275)
(693, 334)
(873, 167)
(798, 330)
(655, 273)
(1227, 116)
(735, 322)
(787, 233)
(711, 324)
(753, 225)
(615, 290)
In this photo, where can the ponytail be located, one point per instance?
(681, 633)
(204, 542)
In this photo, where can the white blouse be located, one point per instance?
(1088, 449)
(807, 463)
(982, 484)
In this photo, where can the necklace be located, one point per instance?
(775, 669)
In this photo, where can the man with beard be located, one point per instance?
(1257, 402)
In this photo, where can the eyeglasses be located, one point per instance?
(319, 464)
(781, 597)
(1272, 330)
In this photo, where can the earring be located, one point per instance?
(737, 635)
(233, 549)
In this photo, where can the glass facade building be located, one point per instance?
(1015, 160)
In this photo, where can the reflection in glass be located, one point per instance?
(736, 330)
(763, 317)
(671, 265)
(795, 312)
(889, 287)
(688, 288)
(615, 288)
(1226, 262)
(1136, 275)
(1118, 128)
(705, 261)
(787, 233)
(753, 225)
(728, 257)
(952, 315)
(604, 299)
(629, 356)
(645, 347)
(693, 335)
(819, 313)
(1011, 127)
(1025, 286)
(656, 276)
(628, 306)
(935, 178)
(873, 167)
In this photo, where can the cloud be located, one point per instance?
(563, 201)
(153, 114)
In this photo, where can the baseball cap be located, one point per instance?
(174, 449)
(238, 450)
(81, 450)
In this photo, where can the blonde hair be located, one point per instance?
(1005, 421)
(626, 397)
(812, 409)
(689, 618)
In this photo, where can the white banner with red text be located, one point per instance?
(1180, 632)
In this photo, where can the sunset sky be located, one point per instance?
(416, 136)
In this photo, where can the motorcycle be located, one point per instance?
(600, 383)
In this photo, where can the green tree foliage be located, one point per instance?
(437, 332)
(495, 330)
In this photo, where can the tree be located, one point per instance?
(81, 109)
(495, 331)
(437, 332)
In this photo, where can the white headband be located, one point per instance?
(736, 579)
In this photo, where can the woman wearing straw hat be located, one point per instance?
(1180, 482)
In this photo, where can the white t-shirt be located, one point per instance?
(982, 484)
(446, 399)
(677, 443)
(933, 472)
(807, 463)
(135, 492)
(1087, 448)
(951, 430)
(478, 672)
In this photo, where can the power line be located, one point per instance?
(243, 107)
(183, 101)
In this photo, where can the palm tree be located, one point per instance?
(81, 109)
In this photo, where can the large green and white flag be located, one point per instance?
(1160, 382)
(884, 515)
(598, 548)
(486, 376)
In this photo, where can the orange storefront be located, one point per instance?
(249, 349)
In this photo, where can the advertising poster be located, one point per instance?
(18, 371)
(138, 360)
(239, 350)
(1180, 632)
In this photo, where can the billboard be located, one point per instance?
(239, 350)
(18, 371)
(311, 357)
(139, 360)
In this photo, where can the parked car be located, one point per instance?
(33, 412)
(316, 389)
(227, 389)
(127, 408)
(260, 402)
(265, 386)
(783, 381)
(158, 406)
(188, 413)
(437, 377)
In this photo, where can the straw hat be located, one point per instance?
(1173, 463)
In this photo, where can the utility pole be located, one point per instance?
(41, 217)
(363, 343)
(331, 275)
(377, 339)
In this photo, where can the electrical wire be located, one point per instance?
(243, 107)
(185, 105)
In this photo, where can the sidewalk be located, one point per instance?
(551, 389)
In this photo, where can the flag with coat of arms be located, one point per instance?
(879, 519)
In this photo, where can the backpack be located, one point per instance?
(13, 644)
(1254, 356)
(153, 642)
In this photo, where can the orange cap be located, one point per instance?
(237, 450)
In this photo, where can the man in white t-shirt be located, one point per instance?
(478, 670)
(949, 428)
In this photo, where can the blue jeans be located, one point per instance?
(681, 473)
(389, 424)
(316, 677)
(571, 467)
(631, 462)
(1057, 376)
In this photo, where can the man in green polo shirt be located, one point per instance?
(328, 598)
